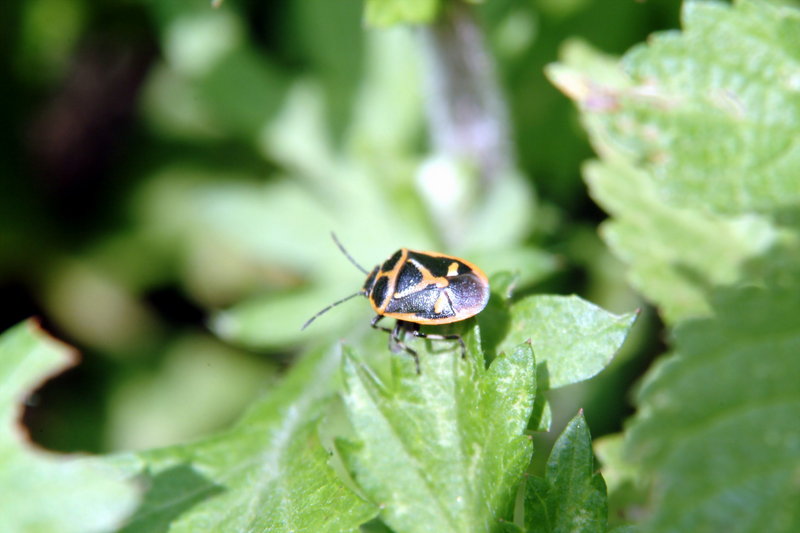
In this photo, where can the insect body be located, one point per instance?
(420, 288)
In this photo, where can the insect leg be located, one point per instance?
(400, 328)
(438, 337)
(375, 325)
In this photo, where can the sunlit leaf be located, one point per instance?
(573, 339)
(696, 132)
(444, 450)
(43, 491)
(270, 472)
(675, 252)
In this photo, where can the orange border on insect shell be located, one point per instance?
(391, 275)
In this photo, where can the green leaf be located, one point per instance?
(742, 112)
(573, 339)
(572, 496)
(270, 472)
(675, 252)
(444, 450)
(709, 111)
(717, 423)
(697, 137)
(43, 491)
(696, 130)
(383, 13)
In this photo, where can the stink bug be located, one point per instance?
(419, 288)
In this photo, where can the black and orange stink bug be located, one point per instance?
(420, 288)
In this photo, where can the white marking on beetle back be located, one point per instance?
(452, 270)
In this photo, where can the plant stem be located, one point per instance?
(467, 117)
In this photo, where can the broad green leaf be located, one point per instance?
(444, 450)
(269, 473)
(573, 339)
(675, 252)
(717, 422)
(696, 132)
(43, 491)
(572, 495)
(382, 13)
(729, 80)
(708, 112)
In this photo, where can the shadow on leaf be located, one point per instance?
(170, 494)
(537, 421)
(494, 321)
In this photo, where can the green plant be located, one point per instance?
(695, 133)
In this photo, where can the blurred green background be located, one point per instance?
(171, 173)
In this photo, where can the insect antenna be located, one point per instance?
(347, 255)
(325, 310)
